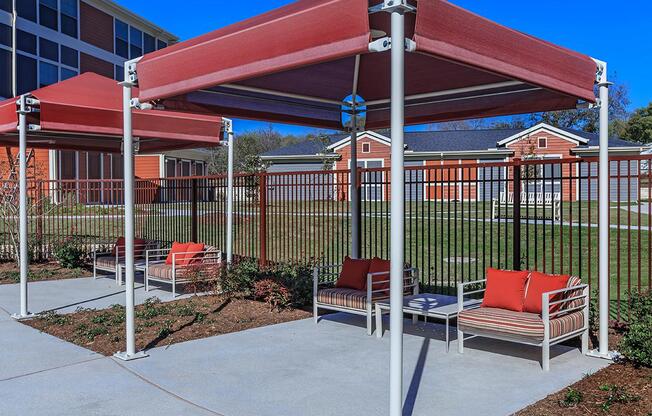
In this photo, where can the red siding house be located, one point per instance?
(458, 148)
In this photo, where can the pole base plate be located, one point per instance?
(130, 357)
(20, 317)
(610, 355)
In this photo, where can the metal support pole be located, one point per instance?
(353, 192)
(228, 124)
(22, 206)
(129, 179)
(603, 214)
(516, 223)
(397, 214)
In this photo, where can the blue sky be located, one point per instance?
(616, 32)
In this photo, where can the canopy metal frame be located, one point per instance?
(397, 9)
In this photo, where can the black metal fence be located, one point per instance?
(460, 218)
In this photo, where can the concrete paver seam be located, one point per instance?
(161, 388)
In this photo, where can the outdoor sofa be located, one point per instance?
(564, 314)
(172, 265)
(330, 293)
(113, 260)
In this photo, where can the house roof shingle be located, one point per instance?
(443, 141)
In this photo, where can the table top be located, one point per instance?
(431, 304)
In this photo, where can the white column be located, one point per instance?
(229, 193)
(23, 254)
(397, 218)
(604, 214)
(353, 192)
(130, 229)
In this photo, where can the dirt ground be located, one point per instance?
(620, 390)
(9, 272)
(159, 324)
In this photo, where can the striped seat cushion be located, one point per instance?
(161, 271)
(348, 298)
(520, 326)
(105, 262)
(573, 281)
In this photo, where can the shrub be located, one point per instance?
(617, 394)
(297, 278)
(273, 293)
(69, 254)
(572, 398)
(239, 278)
(636, 344)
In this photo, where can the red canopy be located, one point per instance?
(297, 63)
(85, 113)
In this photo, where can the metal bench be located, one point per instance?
(533, 200)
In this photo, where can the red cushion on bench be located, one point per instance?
(379, 265)
(178, 249)
(505, 289)
(354, 274)
(540, 283)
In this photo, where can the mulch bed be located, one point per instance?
(160, 324)
(10, 273)
(620, 390)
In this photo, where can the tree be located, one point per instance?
(639, 127)
(248, 147)
(588, 119)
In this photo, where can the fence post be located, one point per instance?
(262, 231)
(194, 222)
(39, 218)
(516, 221)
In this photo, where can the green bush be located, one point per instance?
(239, 278)
(70, 254)
(636, 345)
(272, 293)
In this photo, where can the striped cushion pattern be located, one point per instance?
(522, 326)
(573, 281)
(161, 271)
(348, 298)
(105, 262)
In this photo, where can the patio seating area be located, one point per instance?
(251, 372)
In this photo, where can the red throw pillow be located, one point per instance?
(354, 274)
(379, 265)
(178, 249)
(505, 289)
(139, 246)
(539, 284)
(119, 247)
(195, 252)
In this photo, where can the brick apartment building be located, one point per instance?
(59, 39)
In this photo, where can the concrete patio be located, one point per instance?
(296, 368)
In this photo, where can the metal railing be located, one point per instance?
(460, 218)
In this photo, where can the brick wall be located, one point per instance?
(88, 63)
(96, 27)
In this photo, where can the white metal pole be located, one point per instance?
(353, 192)
(229, 193)
(604, 214)
(130, 229)
(22, 206)
(397, 207)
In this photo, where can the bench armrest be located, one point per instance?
(462, 293)
(546, 302)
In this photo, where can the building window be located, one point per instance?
(26, 9)
(28, 79)
(69, 13)
(69, 57)
(366, 147)
(149, 43)
(5, 5)
(121, 39)
(48, 74)
(542, 143)
(5, 35)
(48, 50)
(26, 42)
(67, 74)
(48, 14)
(135, 43)
(119, 73)
(161, 45)
(5, 73)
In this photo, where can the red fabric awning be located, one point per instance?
(85, 113)
(296, 64)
